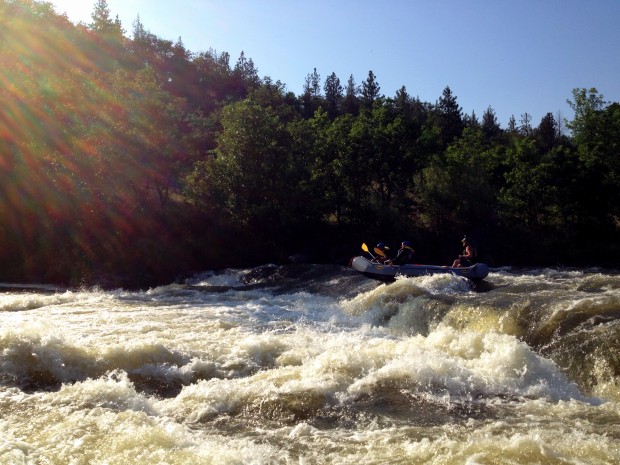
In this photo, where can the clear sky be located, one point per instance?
(515, 56)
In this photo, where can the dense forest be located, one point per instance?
(127, 159)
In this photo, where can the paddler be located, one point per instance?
(468, 257)
(404, 255)
(381, 251)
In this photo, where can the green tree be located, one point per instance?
(403, 102)
(530, 194)
(344, 170)
(490, 126)
(472, 121)
(526, 125)
(370, 91)
(102, 21)
(596, 134)
(215, 83)
(245, 75)
(350, 103)
(512, 125)
(250, 177)
(312, 204)
(456, 190)
(333, 95)
(274, 96)
(449, 117)
(586, 126)
(108, 50)
(546, 134)
(311, 96)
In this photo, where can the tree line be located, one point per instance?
(132, 160)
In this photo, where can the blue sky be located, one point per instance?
(515, 56)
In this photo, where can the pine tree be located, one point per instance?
(546, 133)
(350, 104)
(102, 22)
(333, 95)
(526, 124)
(370, 91)
(490, 127)
(512, 124)
(450, 117)
(246, 72)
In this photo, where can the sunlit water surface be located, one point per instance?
(312, 365)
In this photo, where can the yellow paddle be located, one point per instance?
(365, 249)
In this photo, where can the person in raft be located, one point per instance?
(381, 251)
(468, 258)
(404, 255)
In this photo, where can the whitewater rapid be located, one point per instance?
(311, 365)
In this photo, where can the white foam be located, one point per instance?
(229, 277)
(285, 379)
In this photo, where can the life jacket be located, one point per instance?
(474, 253)
(405, 255)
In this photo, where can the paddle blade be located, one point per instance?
(364, 247)
(379, 252)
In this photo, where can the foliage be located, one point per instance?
(134, 156)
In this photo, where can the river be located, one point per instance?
(309, 364)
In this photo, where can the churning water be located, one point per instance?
(313, 365)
